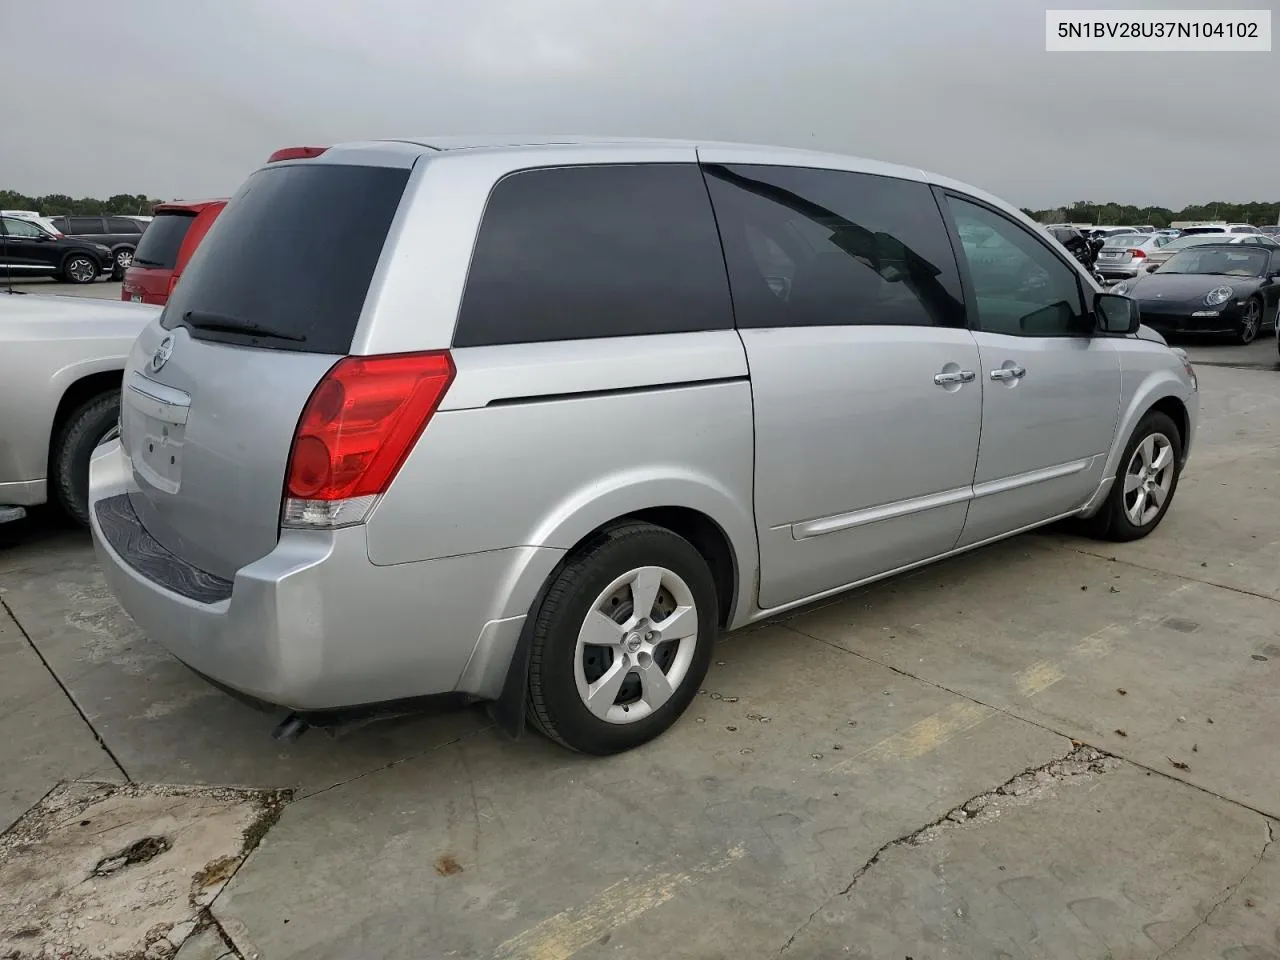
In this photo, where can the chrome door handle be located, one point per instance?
(1009, 373)
(959, 376)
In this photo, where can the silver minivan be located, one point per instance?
(534, 422)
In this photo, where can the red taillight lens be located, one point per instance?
(1137, 254)
(296, 153)
(173, 282)
(356, 431)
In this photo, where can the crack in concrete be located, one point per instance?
(1227, 894)
(1168, 573)
(1081, 760)
(65, 692)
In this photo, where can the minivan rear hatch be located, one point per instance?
(267, 305)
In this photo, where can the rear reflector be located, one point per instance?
(357, 429)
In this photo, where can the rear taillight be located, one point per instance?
(1137, 254)
(173, 282)
(356, 431)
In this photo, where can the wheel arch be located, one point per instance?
(731, 560)
(74, 395)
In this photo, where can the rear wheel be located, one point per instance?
(1145, 482)
(622, 640)
(1250, 321)
(89, 425)
(79, 268)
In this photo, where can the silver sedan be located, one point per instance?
(1125, 254)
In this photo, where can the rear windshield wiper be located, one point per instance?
(222, 323)
(151, 263)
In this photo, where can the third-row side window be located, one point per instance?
(570, 253)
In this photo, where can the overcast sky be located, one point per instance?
(183, 98)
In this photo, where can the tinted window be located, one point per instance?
(812, 247)
(159, 246)
(573, 253)
(15, 227)
(60, 224)
(123, 225)
(293, 253)
(1019, 286)
(85, 225)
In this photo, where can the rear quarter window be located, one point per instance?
(572, 253)
(293, 252)
(159, 246)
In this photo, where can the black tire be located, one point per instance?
(1112, 522)
(554, 704)
(73, 268)
(79, 434)
(123, 259)
(1251, 323)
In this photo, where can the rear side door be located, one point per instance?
(1051, 389)
(90, 228)
(864, 378)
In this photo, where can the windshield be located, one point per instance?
(1235, 261)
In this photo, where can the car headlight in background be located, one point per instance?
(1121, 288)
(1218, 295)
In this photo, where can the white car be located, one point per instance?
(61, 365)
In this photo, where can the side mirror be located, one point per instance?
(1114, 313)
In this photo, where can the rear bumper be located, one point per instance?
(314, 625)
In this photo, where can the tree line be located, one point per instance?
(1086, 211)
(57, 204)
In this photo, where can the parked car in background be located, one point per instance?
(1218, 228)
(1270, 231)
(119, 234)
(162, 254)
(1124, 254)
(61, 362)
(28, 249)
(1212, 288)
(310, 499)
(1157, 257)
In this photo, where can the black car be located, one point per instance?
(120, 234)
(29, 250)
(1220, 288)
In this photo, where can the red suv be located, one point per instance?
(172, 237)
(165, 248)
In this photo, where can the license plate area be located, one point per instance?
(154, 432)
(136, 297)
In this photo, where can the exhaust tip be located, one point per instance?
(290, 729)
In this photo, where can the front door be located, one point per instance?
(26, 248)
(864, 378)
(1051, 390)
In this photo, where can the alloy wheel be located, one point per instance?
(636, 645)
(1148, 479)
(124, 259)
(1252, 321)
(81, 270)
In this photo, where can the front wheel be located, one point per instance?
(622, 640)
(1145, 482)
(79, 268)
(124, 260)
(1250, 321)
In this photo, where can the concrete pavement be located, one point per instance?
(891, 774)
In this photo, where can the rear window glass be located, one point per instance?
(159, 246)
(292, 255)
(575, 253)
